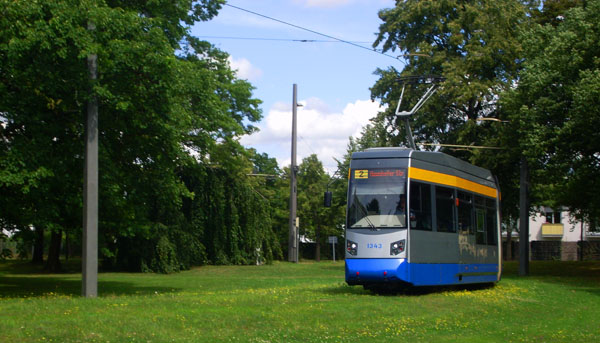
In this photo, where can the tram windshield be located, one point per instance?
(377, 198)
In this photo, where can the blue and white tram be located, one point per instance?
(448, 234)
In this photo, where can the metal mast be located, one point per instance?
(293, 234)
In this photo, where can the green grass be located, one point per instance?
(306, 302)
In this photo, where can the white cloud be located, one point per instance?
(321, 131)
(244, 69)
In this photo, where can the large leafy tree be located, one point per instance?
(471, 44)
(157, 109)
(316, 221)
(43, 83)
(554, 110)
(481, 50)
(273, 184)
(474, 46)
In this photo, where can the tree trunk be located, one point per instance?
(508, 255)
(318, 241)
(66, 245)
(524, 218)
(53, 262)
(38, 246)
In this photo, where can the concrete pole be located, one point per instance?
(523, 219)
(90, 188)
(293, 234)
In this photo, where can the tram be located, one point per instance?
(420, 218)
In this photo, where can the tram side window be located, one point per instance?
(491, 222)
(420, 206)
(480, 219)
(465, 212)
(444, 206)
(481, 235)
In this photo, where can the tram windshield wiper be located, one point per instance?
(363, 211)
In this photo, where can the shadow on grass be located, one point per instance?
(69, 285)
(26, 267)
(580, 275)
(398, 289)
(22, 279)
(337, 266)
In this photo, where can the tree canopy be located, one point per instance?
(471, 44)
(531, 67)
(554, 108)
(171, 112)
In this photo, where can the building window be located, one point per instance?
(553, 217)
(594, 225)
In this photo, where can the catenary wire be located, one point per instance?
(317, 33)
(276, 39)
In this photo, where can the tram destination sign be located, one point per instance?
(378, 173)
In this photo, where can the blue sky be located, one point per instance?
(333, 78)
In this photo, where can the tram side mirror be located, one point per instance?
(327, 199)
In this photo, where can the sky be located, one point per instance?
(333, 78)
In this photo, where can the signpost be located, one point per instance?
(333, 240)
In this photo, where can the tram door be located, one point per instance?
(466, 228)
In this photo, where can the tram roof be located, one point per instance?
(424, 158)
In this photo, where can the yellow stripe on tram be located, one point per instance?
(450, 180)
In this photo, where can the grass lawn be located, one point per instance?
(305, 302)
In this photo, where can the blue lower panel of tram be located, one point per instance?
(369, 271)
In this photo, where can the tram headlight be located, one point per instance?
(351, 247)
(397, 247)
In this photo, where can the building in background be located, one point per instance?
(556, 235)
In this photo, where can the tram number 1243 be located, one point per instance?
(374, 246)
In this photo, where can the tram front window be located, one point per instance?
(377, 199)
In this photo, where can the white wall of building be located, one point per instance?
(571, 228)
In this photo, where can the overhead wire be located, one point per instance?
(308, 145)
(275, 39)
(332, 39)
(317, 33)
(328, 167)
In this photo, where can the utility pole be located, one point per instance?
(293, 235)
(90, 186)
(523, 219)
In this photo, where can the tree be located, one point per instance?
(162, 94)
(554, 110)
(475, 47)
(471, 44)
(40, 104)
(316, 221)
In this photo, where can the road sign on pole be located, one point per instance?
(333, 240)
